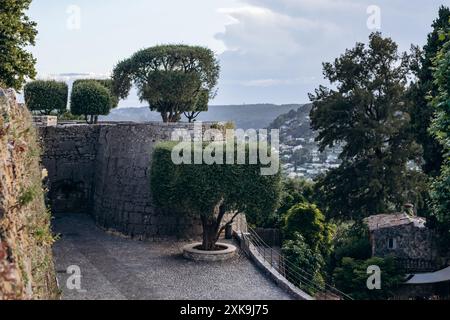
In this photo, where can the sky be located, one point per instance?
(270, 51)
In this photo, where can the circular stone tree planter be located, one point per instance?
(192, 252)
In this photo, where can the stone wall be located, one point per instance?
(26, 263)
(106, 168)
(411, 242)
(70, 156)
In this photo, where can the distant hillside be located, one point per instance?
(296, 123)
(299, 150)
(256, 116)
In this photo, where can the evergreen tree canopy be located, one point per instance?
(368, 114)
(422, 112)
(440, 191)
(16, 33)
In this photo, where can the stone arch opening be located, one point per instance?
(68, 196)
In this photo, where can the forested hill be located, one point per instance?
(256, 116)
(295, 123)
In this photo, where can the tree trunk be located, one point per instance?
(212, 227)
(209, 234)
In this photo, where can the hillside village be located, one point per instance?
(299, 150)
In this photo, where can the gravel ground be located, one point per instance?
(113, 267)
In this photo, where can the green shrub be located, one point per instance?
(295, 191)
(352, 241)
(304, 262)
(309, 221)
(68, 116)
(46, 97)
(208, 191)
(352, 275)
(90, 99)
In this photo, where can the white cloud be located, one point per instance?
(257, 29)
(275, 48)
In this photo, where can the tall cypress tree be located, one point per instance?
(16, 33)
(422, 112)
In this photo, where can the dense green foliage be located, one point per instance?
(90, 99)
(16, 33)
(352, 240)
(422, 112)
(308, 243)
(351, 277)
(368, 113)
(296, 191)
(440, 191)
(209, 191)
(173, 79)
(107, 83)
(309, 221)
(200, 105)
(46, 97)
(304, 261)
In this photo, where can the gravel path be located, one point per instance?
(113, 267)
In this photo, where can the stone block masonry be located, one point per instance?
(105, 170)
(26, 260)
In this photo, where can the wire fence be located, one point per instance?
(289, 270)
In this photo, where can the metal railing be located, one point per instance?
(289, 270)
(417, 265)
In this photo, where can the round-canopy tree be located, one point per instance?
(173, 79)
(107, 83)
(210, 191)
(90, 99)
(46, 96)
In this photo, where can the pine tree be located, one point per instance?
(368, 113)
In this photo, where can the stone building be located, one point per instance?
(404, 236)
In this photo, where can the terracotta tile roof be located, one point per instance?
(381, 221)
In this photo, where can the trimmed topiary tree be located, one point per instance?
(210, 191)
(46, 96)
(173, 79)
(107, 83)
(90, 99)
